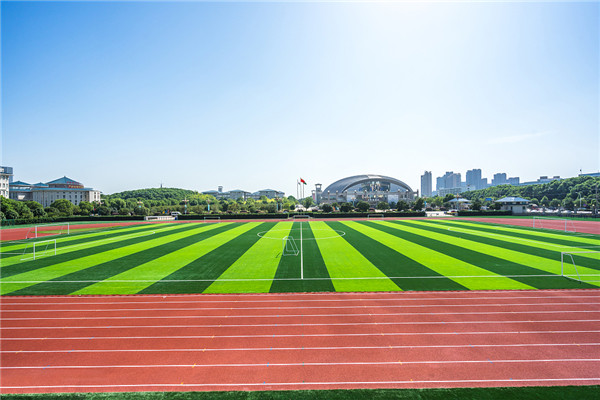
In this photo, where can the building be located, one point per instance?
(369, 188)
(47, 193)
(6, 174)
(268, 193)
(426, 184)
(499, 179)
(517, 205)
(542, 179)
(514, 181)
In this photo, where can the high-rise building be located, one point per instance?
(426, 184)
(499, 179)
(514, 181)
(452, 180)
(474, 180)
(439, 183)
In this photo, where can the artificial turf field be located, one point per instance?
(343, 256)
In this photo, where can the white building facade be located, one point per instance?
(47, 193)
(5, 178)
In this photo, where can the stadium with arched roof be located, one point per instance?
(369, 188)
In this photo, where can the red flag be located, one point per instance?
(303, 181)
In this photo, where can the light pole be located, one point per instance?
(185, 201)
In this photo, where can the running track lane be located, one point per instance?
(299, 341)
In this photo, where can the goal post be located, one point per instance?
(290, 248)
(301, 217)
(39, 249)
(374, 216)
(563, 224)
(567, 260)
(43, 230)
(212, 218)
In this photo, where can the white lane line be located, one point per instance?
(140, 300)
(377, 334)
(288, 384)
(305, 307)
(296, 364)
(299, 315)
(457, 346)
(29, 328)
(302, 296)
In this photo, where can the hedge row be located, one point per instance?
(483, 213)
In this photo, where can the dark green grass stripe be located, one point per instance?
(490, 263)
(31, 265)
(314, 266)
(210, 266)
(524, 234)
(393, 263)
(111, 268)
(553, 255)
(84, 237)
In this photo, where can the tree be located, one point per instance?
(555, 203)
(36, 208)
(346, 207)
(307, 202)
(418, 204)
(448, 197)
(87, 208)
(544, 201)
(402, 205)
(327, 208)
(64, 207)
(11, 214)
(476, 205)
(568, 203)
(382, 205)
(363, 206)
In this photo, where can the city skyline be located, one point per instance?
(196, 95)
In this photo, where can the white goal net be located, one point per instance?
(34, 250)
(212, 219)
(375, 216)
(62, 228)
(563, 224)
(572, 269)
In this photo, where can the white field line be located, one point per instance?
(306, 279)
(202, 298)
(310, 384)
(30, 328)
(299, 315)
(302, 296)
(320, 348)
(305, 364)
(303, 308)
(302, 335)
(509, 237)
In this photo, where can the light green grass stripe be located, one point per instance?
(57, 270)
(127, 233)
(147, 274)
(259, 262)
(542, 234)
(344, 261)
(533, 261)
(440, 262)
(505, 236)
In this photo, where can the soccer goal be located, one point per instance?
(212, 218)
(290, 248)
(39, 249)
(61, 228)
(304, 217)
(375, 216)
(567, 260)
(563, 224)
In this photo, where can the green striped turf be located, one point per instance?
(135, 266)
(315, 272)
(90, 247)
(390, 260)
(529, 252)
(466, 269)
(344, 261)
(199, 274)
(254, 271)
(53, 271)
(493, 254)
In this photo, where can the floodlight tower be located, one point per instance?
(185, 201)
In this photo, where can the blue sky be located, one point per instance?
(126, 95)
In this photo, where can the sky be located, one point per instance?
(256, 95)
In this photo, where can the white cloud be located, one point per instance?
(517, 138)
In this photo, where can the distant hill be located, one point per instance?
(154, 194)
(568, 188)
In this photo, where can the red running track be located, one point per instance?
(299, 341)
